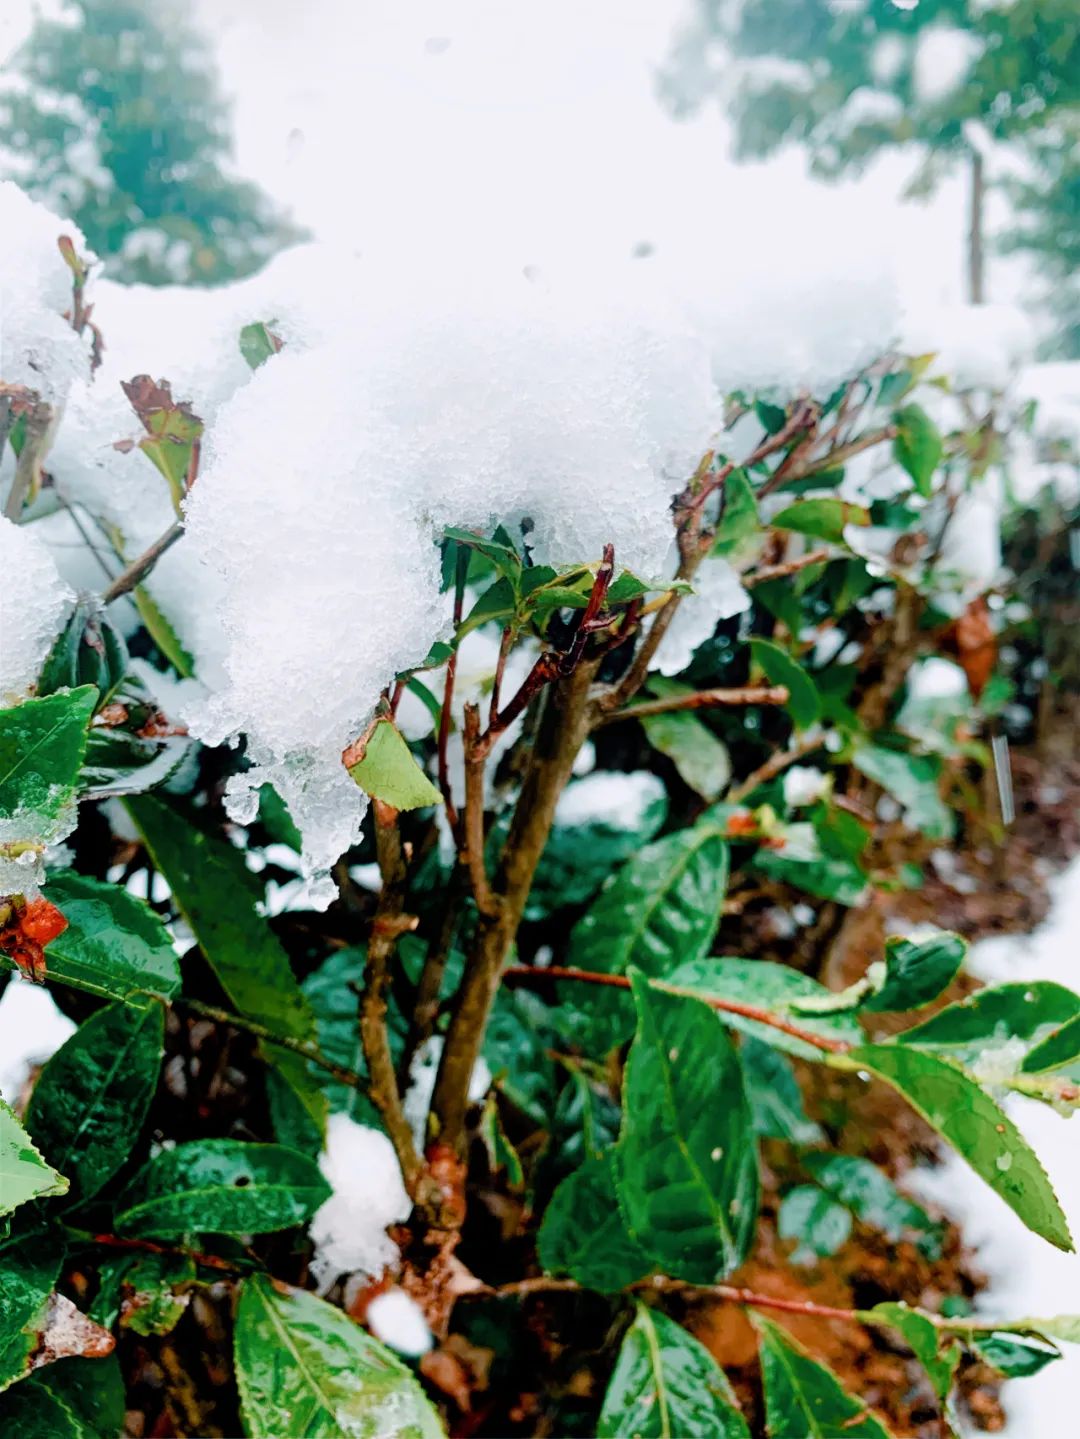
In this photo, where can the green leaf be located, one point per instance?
(687, 1159)
(517, 1049)
(772, 417)
(172, 432)
(774, 987)
(221, 1186)
(119, 763)
(804, 702)
(825, 876)
(804, 1399)
(923, 1338)
(818, 1223)
(258, 343)
(90, 1100)
(1017, 1356)
(303, 1367)
(912, 780)
(88, 651)
(953, 1104)
(30, 1269)
(389, 771)
(161, 631)
(775, 1097)
(219, 898)
(115, 945)
(584, 1233)
(42, 743)
(139, 1291)
(78, 1399)
(739, 521)
(993, 1019)
(662, 908)
(332, 992)
(917, 971)
(1065, 1327)
(497, 603)
(822, 518)
(1060, 1048)
(24, 1175)
(667, 1385)
(918, 446)
(701, 759)
(873, 1198)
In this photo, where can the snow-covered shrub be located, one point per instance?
(488, 629)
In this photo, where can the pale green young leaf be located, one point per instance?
(389, 771)
(24, 1175)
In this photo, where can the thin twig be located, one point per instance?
(781, 571)
(726, 1006)
(500, 669)
(263, 1031)
(740, 696)
(774, 765)
(134, 574)
(461, 574)
(475, 757)
(830, 460)
(150, 1246)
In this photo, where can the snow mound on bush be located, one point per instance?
(33, 599)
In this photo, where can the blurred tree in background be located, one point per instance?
(111, 114)
(848, 78)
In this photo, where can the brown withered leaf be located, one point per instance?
(976, 645)
(68, 1333)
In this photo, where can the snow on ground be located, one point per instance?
(1028, 1276)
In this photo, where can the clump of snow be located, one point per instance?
(943, 57)
(611, 798)
(975, 346)
(804, 785)
(349, 1230)
(718, 595)
(38, 348)
(971, 550)
(397, 1319)
(423, 1072)
(33, 601)
(32, 1029)
(936, 678)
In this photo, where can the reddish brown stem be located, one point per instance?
(781, 572)
(701, 699)
(524, 972)
(486, 901)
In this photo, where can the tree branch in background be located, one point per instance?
(701, 699)
(783, 570)
(774, 765)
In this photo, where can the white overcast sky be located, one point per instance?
(532, 120)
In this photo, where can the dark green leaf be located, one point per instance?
(818, 1223)
(30, 1270)
(219, 898)
(775, 1097)
(804, 702)
(822, 518)
(517, 1045)
(994, 1019)
(825, 876)
(88, 651)
(161, 631)
(804, 1399)
(1015, 1355)
(42, 743)
(774, 987)
(874, 1199)
(912, 780)
(90, 1391)
(917, 971)
(1057, 1049)
(90, 1100)
(389, 771)
(687, 1158)
(221, 1186)
(917, 446)
(739, 520)
(146, 1293)
(118, 763)
(667, 1385)
(114, 945)
(24, 1175)
(584, 1233)
(923, 1338)
(772, 417)
(701, 759)
(303, 1367)
(953, 1104)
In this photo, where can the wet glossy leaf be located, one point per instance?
(30, 1269)
(775, 1097)
(219, 898)
(973, 1028)
(1059, 1048)
(701, 759)
(118, 763)
(774, 987)
(804, 702)
(115, 945)
(687, 1170)
(804, 1399)
(825, 876)
(818, 1223)
(304, 1367)
(161, 631)
(667, 1385)
(739, 522)
(953, 1104)
(584, 1233)
(221, 1186)
(42, 743)
(1015, 1355)
(24, 1175)
(143, 1292)
(517, 1049)
(90, 1100)
(389, 771)
(917, 971)
(917, 446)
(661, 909)
(824, 518)
(873, 1198)
(88, 651)
(923, 1338)
(79, 1399)
(912, 780)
